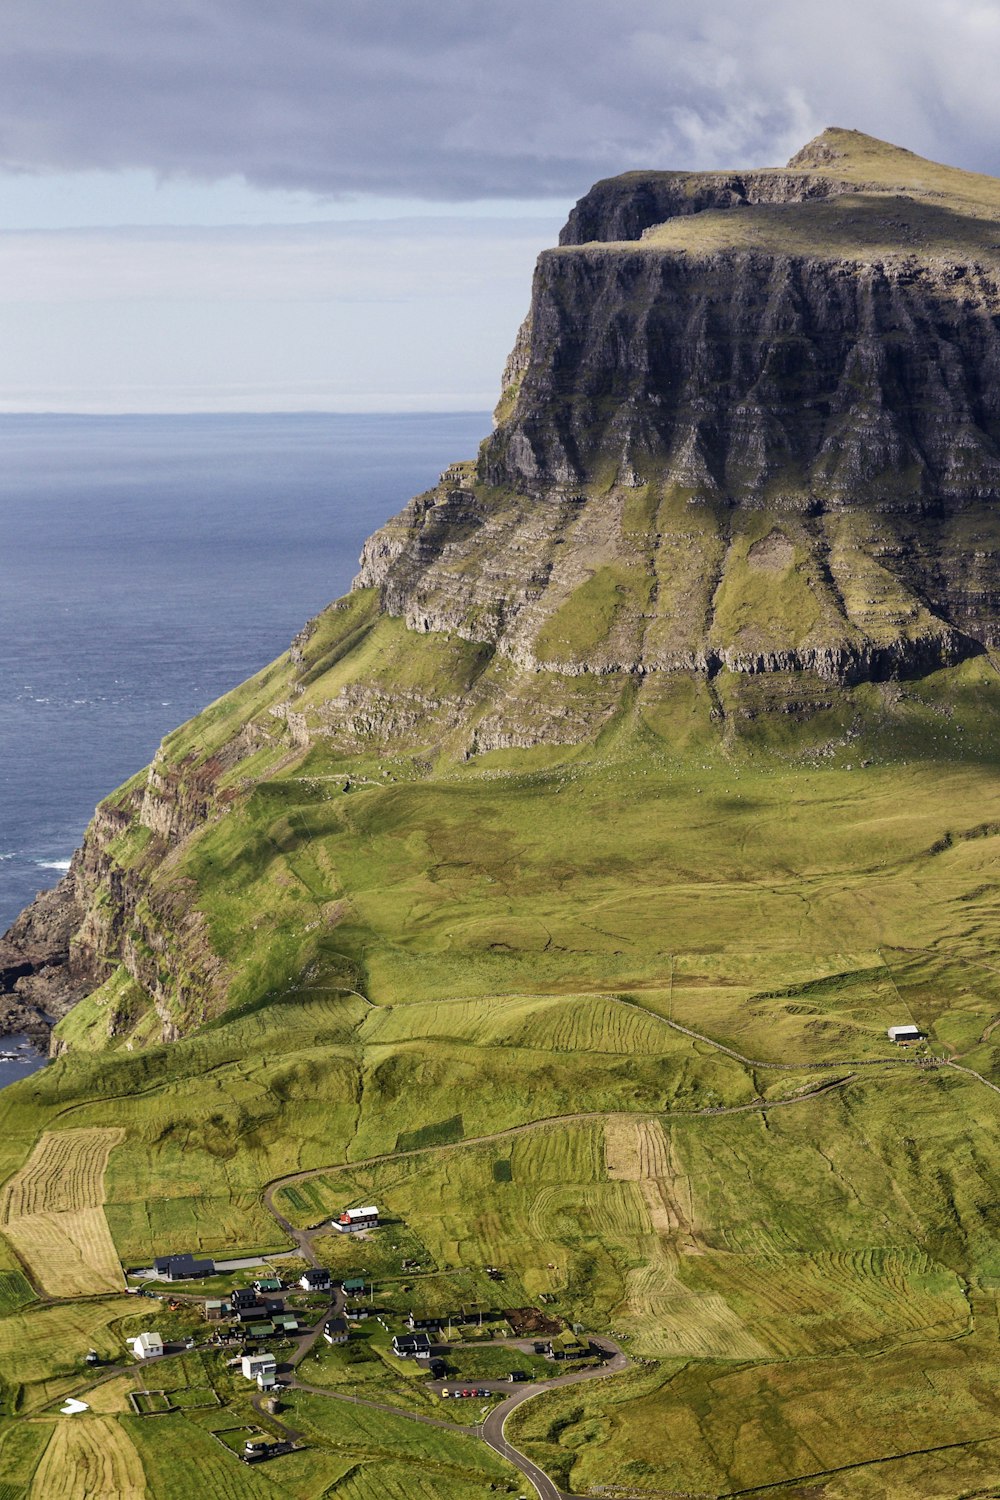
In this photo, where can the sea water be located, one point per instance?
(147, 565)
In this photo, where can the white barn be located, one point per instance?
(147, 1345)
(904, 1033)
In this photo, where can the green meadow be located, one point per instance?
(612, 1018)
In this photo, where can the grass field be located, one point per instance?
(52, 1212)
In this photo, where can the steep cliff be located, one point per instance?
(758, 430)
(746, 464)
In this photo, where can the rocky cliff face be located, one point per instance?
(763, 434)
(749, 440)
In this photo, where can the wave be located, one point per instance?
(52, 864)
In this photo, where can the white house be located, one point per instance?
(354, 1219)
(315, 1279)
(904, 1033)
(260, 1367)
(146, 1345)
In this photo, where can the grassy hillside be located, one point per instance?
(612, 1018)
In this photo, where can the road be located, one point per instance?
(492, 1429)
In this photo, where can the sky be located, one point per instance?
(239, 205)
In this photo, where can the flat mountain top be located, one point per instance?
(879, 198)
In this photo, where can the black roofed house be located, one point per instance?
(335, 1331)
(182, 1267)
(250, 1314)
(316, 1279)
(244, 1296)
(411, 1346)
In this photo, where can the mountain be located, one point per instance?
(747, 443)
(557, 889)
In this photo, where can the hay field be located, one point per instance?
(89, 1459)
(665, 1316)
(52, 1211)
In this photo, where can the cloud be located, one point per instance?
(456, 100)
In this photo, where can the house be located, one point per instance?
(182, 1267)
(355, 1285)
(566, 1346)
(251, 1314)
(243, 1296)
(359, 1314)
(904, 1034)
(255, 1365)
(216, 1310)
(411, 1346)
(316, 1279)
(267, 1284)
(335, 1331)
(353, 1219)
(263, 1330)
(423, 1320)
(285, 1321)
(147, 1346)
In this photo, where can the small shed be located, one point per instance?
(216, 1310)
(147, 1346)
(904, 1034)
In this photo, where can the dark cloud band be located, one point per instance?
(456, 99)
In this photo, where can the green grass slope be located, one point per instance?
(612, 1017)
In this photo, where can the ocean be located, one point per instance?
(149, 564)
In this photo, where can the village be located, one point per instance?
(309, 1329)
